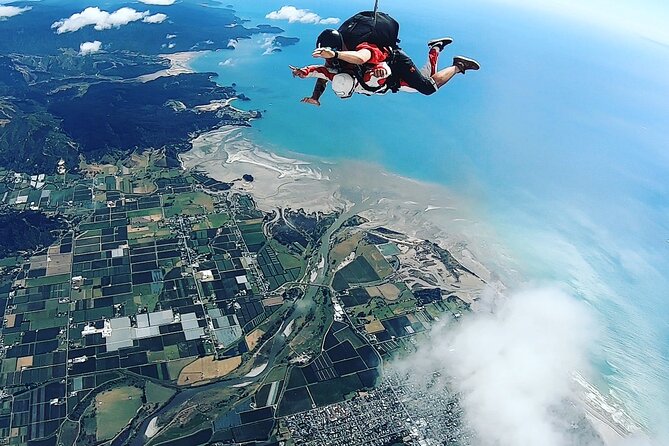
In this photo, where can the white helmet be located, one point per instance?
(344, 85)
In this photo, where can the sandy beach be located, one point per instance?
(607, 431)
(279, 181)
(611, 423)
(179, 64)
(152, 428)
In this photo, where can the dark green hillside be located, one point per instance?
(120, 117)
(26, 231)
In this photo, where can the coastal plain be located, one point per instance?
(213, 317)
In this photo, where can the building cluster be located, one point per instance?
(435, 411)
(371, 418)
(399, 411)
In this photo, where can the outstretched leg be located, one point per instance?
(429, 79)
(436, 47)
(460, 65)
(441, 77)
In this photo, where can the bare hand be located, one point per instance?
(298, 72)
(311, 101)
(380, 72)
(323, 53)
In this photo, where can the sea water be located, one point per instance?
(560, 141)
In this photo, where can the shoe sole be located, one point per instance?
(444, 41)
(471, 63)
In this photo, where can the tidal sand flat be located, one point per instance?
(414, 208)
(179, 64)
(279, 181)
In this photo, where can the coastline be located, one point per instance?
(179, 64)
(609, 433)
(610, 422)
(417, 209)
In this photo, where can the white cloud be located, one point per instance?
(269, 46)
(101, 20)
(11, 11)
(171, 45)
(170, 36)
(329, 21)
(227, 63)
(232, 43)
(158, 2)
(89, 47)
(513, 367)
(293, 15)
(155, 18)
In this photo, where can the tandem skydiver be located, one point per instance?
(363, 57)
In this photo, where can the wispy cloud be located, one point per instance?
(87, 48)
(295, 15)
(269, 45)
(158, 2)
(155, 18)
(11, 11)
(101, 20)
(227, 63)
(513, 367)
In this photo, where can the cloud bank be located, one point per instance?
(11, 11)
(513, 367)
(87, 48)
(295, 15)
(101, 20)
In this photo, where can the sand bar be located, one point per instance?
(179, 64)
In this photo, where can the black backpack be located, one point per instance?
(376, 28)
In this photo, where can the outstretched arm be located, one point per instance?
(317, 71)
(323, 75)
(359, 57)
(319, 89)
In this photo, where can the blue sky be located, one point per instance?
(647, 18)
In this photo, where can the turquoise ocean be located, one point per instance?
(560, 143)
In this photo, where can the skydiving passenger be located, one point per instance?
(375, 69)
